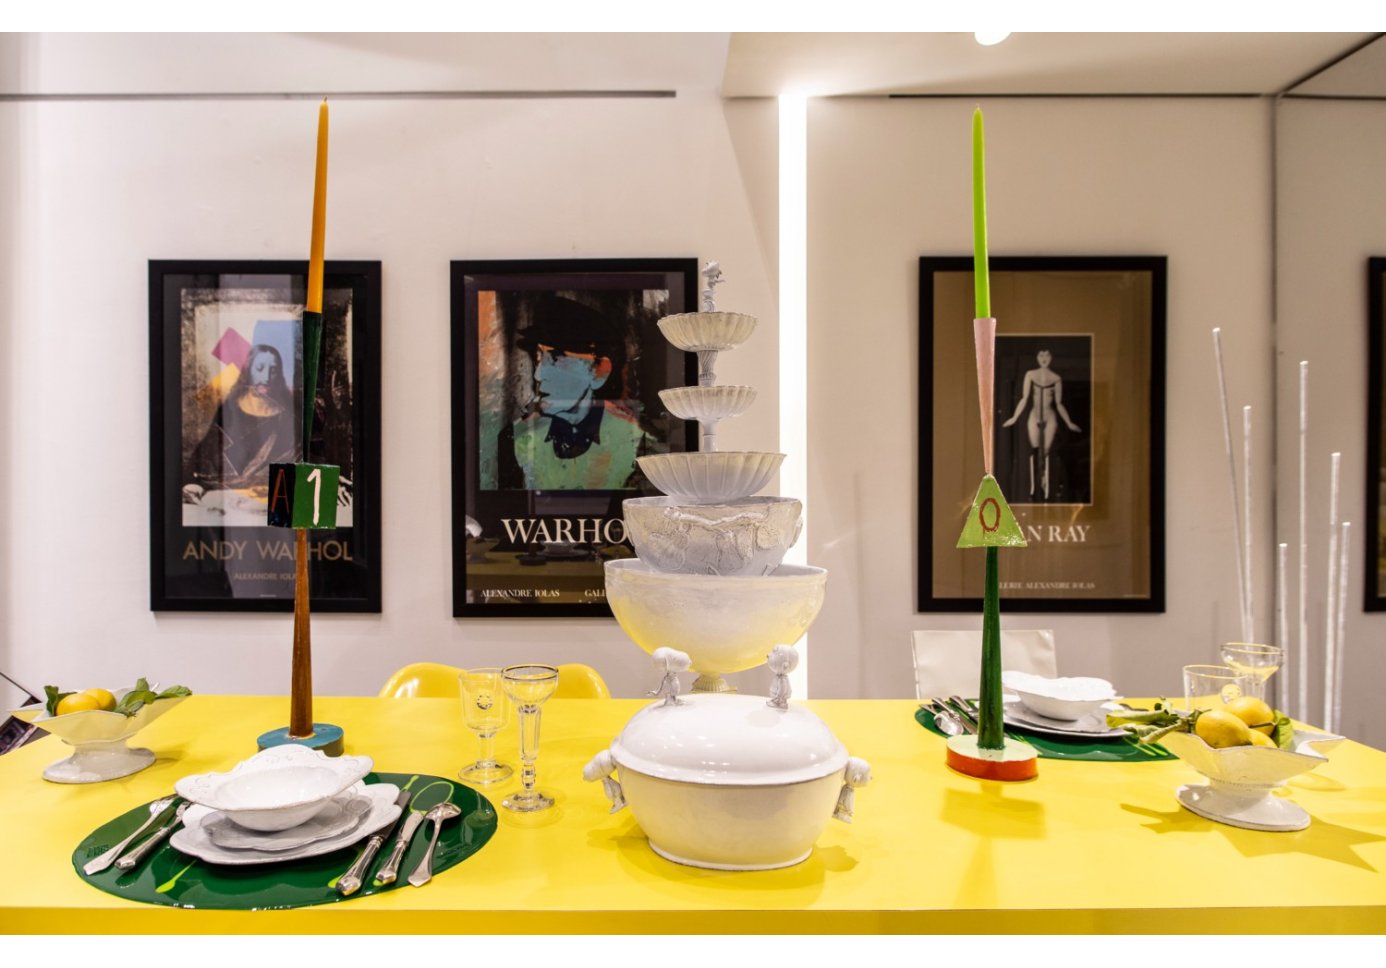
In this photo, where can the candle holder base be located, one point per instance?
(325, 736)
(1014, 761)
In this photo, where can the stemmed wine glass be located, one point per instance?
(1257, 662)
(528, 687)
(486, 710)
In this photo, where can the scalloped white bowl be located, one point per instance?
(277, 788)
(707, 404)
(1064, 698)
(1241, 779)
(717, 477)
(699, 332)
(724, 623)
(748, 537)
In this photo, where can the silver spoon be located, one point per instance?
(98, 864)
(424, 872)
(947, 723)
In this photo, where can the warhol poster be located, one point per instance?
(227, 390)
(557, 368)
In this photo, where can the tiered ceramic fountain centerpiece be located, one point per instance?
(719, 780)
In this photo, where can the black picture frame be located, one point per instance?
(207, 319)
(520, 558)
(1374, 491)
(1091, 502)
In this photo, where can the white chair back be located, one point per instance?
(950, 663)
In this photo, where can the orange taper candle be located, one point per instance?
(314, 303)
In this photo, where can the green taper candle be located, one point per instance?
(979, 218)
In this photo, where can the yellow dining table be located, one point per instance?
(1087, 847)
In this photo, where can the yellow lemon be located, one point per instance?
(1261, 739)
(1221, 729)
(105, 700)
(77, 702)
(1256, 713)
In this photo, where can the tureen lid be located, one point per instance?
(728, 740)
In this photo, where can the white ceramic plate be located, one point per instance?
(1093, 726)
(341, 814)
(194, 841)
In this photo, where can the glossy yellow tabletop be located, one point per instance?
(1087, 847)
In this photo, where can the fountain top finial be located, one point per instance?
(713, 271)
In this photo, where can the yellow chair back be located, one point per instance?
(434, 680)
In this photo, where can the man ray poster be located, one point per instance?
(557, 373)
(229, 390)
(1078, 432)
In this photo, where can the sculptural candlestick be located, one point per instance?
(990, 525)
(304, 495)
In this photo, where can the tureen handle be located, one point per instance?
(857, 774)
(672, 661)
(600, 768)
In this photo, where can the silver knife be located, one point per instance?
(390, 871)
(350, 882)
(146, 848)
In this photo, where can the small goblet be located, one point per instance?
(486, 711)
(529, 687)
(1256, 662)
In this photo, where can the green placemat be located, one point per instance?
(1051, 748)
(176, 880)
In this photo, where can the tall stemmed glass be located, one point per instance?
(528, 687)
(1257, 662)
(485, 711)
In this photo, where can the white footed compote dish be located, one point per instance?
(1241, 779)
(1065, 698)
(747, 537)
(724, 623)
(99, 739)
(277, 788)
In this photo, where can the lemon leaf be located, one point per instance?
(54, 697)
(1284, 732)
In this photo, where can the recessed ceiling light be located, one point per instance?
(987, 38)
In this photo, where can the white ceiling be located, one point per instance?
(769, 64)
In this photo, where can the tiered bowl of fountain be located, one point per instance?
(717, 779)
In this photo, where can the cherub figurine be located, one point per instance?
(600, 768)
(672, 661)
(713, 271)
(858, 773)
(783, 660)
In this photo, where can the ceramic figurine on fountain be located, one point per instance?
(783, 660)
(673, 662)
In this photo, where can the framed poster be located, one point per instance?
(557, 368)
(225, 391)
(1079, 438)
(1374, 569)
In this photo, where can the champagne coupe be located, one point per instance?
(528, 687)
(1256, 662)
(485, 711)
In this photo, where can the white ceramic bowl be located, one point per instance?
(725, 623)
(749, 537)
(699, 332)
(1242, 778)
(717, 477)
(1064, 699)
(728, 782)
(708, 404)
(277, 788)
(98, 737)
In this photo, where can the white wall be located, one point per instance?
(94, 189)
(1332, 216)
(889, 181)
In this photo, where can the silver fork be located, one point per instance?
(98, 864)
(947, 720)
(152, 841)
